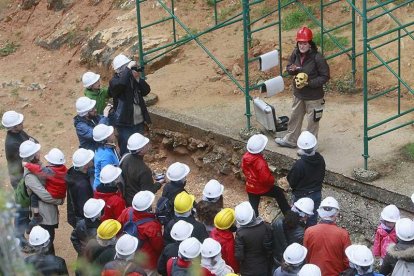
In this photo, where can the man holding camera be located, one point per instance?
(128, 89)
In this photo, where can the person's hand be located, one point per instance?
(293, 68)
(136, 74)
(107, 109)
(24, 163)
(131, 64)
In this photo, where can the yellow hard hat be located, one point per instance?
(108, 229)
(224, 219)
(183, 202)
(232, 274)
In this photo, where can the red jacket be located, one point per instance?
(259, 179)
(55, 178)
(382, 240)
(149, 232)
(326, 245)
(114, 204)
(184, 264)
(226, 240)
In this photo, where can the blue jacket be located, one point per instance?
(84, 130)
(104, 155)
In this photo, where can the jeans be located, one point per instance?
(123, 135)
(277, 193)
(316, 197)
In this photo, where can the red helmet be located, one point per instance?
(304, 34)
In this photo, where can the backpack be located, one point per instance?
(131, 227)
(403, 268)
(178, 271)
(20, 194)
(164, 210)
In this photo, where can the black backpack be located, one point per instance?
(164, 210)
(131, 227)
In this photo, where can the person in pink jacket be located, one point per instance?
(386, 234)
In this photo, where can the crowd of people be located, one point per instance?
(120, 226)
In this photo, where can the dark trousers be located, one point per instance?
(277, 193)
(316, 197)
(123, 135)
(51, 230)
(20, 223)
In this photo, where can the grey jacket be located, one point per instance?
(47, 205)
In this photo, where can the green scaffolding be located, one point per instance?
(367, 46)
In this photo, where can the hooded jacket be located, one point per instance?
(101, 97)
(119, 267)
(317, 69)
(137, 177)
(98, 255)
(114, 202)
(123, 87)
(401, 251)
(104, 155)
(382, 241)
(84, 130)
(169, 251)
(84, 231)
(199, 231)
(259, 179)
(150, 233)
(253, 248)
(55, 178)
(173, 188)
(307, 175)
(79, 191)
(226, 240)
(47, 264)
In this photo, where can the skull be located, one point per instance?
(301, 80)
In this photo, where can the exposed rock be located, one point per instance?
(168, 142)
(235, 159)
(182, 150)
(12, 84)
(225, 169)
(195, 144)
(151, 99)
(179, 139)
(365, 175)
(36, 86)
(245, 133)
(211, 158)
(28, 4)
(236, 71)
(67, 32)
(214, 78)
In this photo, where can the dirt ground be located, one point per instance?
(192, 86)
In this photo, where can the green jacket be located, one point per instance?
(101, 98)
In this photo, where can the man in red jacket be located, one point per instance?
(149, 229)
(259, 179)
(326, 242)
(109, 192)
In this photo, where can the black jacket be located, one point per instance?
(317, 69)
(79, 190)
(97, 254)
(137, 177)
(14, 162)
(172, 189)
(123, 87)
(48, 264)
(84, 231)
(282, 238)
(171, 250)
(307, 174)
(400, 251)
(199, 231)
(123, 267)
(253, 248)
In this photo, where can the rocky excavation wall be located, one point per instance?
(220, 153)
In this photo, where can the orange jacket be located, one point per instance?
(259, 179)
(326, 243)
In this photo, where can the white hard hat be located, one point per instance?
(405, 229)
(137, 141)
(90, 78)
(210, 248)
(38, 236)
(244, 213)
(306, 140)
(190, 248)
(305, 205)
(213, 189)
(257, 143)
(295, 254)
(181, 230)
(81, 157)
(359, 255)
(412, 198)
(177, 171)
(142, 200)
(390, 213)
(126, 245)
(84, 105)
(328, 202)
(310, 270)
(55, 156)
(11, 118)
(93, 207)
(109, 173)
(101, 132)
(120, 60)
(28, 148)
